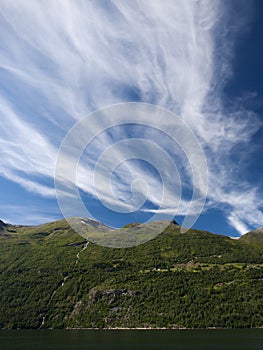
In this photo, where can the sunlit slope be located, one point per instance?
(51, 277)
(255, 236)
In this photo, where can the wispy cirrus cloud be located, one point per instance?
(60, 60)
(28, 214)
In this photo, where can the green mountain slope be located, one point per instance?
(51, 277)
(255, 237)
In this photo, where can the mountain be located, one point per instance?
(2, 225)
(52, 277)
(129, 236)
(255, 236)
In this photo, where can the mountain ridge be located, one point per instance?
(257, 233)
(50, 277)
(255, 236)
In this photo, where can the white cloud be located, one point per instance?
(28, 215)
(60, 60)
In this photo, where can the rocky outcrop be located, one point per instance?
(110, 295)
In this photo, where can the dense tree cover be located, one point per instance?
(196, 279)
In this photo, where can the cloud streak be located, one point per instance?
(60, 60)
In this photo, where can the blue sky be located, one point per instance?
(62, 60)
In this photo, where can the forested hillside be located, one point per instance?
(50, 277)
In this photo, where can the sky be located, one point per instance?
(61, 61)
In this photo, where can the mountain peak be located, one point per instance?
(174, 222)
(2, 224)
(255, 236)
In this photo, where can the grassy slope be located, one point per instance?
(255, 236)
(196, 279)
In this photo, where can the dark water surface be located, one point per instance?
(249, 339)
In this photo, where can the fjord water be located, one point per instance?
(237, 339)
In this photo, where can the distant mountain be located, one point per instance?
(255, 236)
(2, 225)
(129, 236)
(51, 277)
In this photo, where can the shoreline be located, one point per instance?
(157, 329)
(129, 329)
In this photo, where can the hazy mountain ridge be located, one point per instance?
(51, 277)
